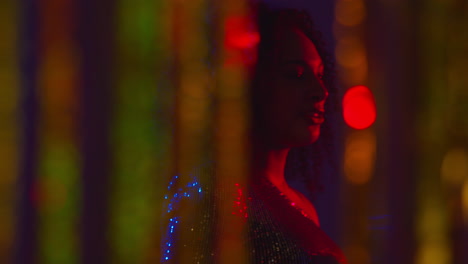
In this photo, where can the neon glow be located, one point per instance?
(359, 110)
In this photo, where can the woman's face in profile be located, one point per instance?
(291, 97)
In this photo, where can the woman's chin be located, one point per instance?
(311, 136)
(314, 133)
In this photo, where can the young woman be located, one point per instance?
(290, 86)
(289, 91)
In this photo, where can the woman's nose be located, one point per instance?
(317, 91)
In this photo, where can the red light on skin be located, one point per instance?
(359, 110)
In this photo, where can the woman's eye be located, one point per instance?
(294, 71)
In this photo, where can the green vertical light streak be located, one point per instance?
(57, 202)
(56, 192)
(141, 135)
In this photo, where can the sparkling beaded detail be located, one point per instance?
(273, 222)
(294, 205)
(240, 202)
(278, 222)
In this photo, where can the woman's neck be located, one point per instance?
(269, 163)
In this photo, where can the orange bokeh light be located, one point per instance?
(359, 110)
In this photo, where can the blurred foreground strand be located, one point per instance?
(103, 102)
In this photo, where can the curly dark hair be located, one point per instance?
(304, 162)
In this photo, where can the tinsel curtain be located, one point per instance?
(102, 103)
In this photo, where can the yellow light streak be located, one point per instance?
(454, 170)
(350, 52)
(360, 156)
(357, 254)
(10, 125)
(464, 197)
(350, 12)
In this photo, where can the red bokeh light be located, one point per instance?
(240, 41)
(240, 33)
(359, 110)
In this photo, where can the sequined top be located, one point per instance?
(277, 232)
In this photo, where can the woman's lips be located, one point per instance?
(315, 117)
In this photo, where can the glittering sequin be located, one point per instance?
(189, 191)
(240, 202)
(278, 231)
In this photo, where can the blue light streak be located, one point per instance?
(191, 190)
